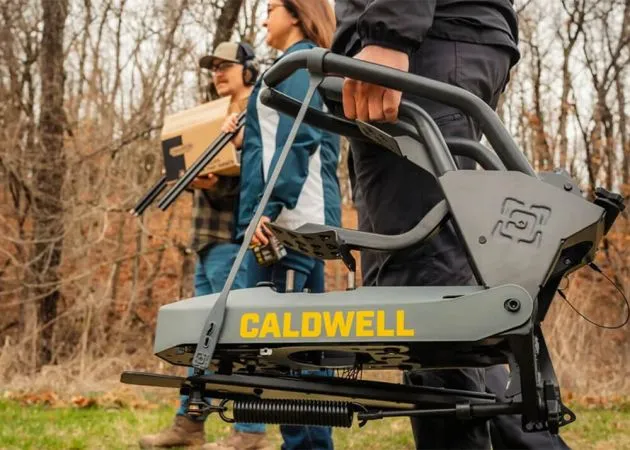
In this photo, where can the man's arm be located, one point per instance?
(229, 125)
(371, 102)
(390, 30)
(396, 24)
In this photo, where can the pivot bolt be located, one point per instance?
(482, 239)
(568, 187)
(512, 305)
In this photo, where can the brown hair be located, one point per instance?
(317, 19)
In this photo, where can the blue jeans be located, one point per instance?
(211, 271)
(309, 273)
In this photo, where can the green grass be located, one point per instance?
(41, 427)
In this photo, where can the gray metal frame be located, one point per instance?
(434, 314)
(522, 234)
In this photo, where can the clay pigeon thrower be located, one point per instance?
(523, 232)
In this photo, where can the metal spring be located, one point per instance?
(294, 412)
(353, 373)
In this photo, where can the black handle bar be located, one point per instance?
(290, 106)
(331, 89)
(322, 61)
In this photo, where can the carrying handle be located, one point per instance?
(420, 127)
(333, 64)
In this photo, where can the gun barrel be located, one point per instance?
(195, 169)
(149, 197)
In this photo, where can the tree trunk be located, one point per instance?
(609, 148)
(227, 21)
(574, 28)
(225, 27)
(48, 174)
(541, 146)
(564, 111)
(623, 134)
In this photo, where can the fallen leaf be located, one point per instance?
(83, 402)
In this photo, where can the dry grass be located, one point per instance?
(111, 423)
(588, 360)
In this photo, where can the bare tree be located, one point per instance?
(227, 21)
(569, 35)
(49, 170)
(624, 131)
(606, 53)
(77, 151)
(537, 118)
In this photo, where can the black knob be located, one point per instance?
(612, 204)
(512, 305)
(617, 199)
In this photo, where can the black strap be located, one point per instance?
(214, 323)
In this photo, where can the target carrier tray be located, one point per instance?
(523, 233)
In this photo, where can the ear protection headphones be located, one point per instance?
(250, 65)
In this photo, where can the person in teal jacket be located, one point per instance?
(307, 190)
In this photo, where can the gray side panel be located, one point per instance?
(378, 314)
(514, 225)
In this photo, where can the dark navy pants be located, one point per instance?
(392, 195)
(212, 269)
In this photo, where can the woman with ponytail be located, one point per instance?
(307, 190)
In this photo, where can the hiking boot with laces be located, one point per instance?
(184, 432)
(240, 441)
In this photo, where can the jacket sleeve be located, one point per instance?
(293, 174)
(397, 24)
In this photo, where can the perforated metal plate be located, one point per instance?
(322, 245)
(379, 136)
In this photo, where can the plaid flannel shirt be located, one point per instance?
(213, 210)
(213, 213)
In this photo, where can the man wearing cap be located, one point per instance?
(234, 72)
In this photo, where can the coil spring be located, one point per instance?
(294, 412)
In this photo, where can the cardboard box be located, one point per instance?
(187, 134)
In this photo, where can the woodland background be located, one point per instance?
(84, 88)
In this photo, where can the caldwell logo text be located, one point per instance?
(313, 324)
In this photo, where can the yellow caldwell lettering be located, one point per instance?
(270, 326)
(287, 332)
(248, 331)
(314, 324)
(364, 326)
(400, 325)
(340, 324)
(311, 324)
(381, 331)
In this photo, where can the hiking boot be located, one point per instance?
(183, 433)
(240, 441)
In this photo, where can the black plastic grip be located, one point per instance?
(335, 124)
(285, 67)
(447, 94)
(476, 151)
(290, 106)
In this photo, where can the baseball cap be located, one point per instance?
(225, 51)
